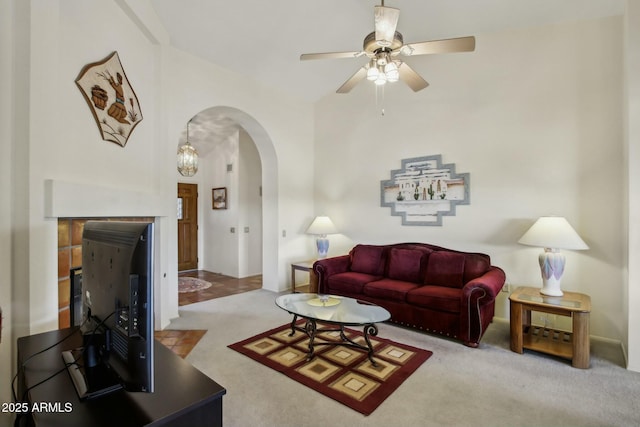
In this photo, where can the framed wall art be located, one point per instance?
(111, 98)
(424, 190)
(219, 198)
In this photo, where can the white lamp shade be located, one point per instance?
(553, 232)
(322, 225)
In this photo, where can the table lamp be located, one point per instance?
(321, 226)
(552, 233)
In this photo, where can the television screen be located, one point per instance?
(117, 310)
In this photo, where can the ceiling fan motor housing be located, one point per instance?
(372, 47)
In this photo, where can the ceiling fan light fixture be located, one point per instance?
(393, 75)
(372, 71)
(383, 46)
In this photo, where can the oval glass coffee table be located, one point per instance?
(333, 310)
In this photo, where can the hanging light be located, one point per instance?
(382, 78)
(187, 157)
(391, 71)
(383, 69)
(372, 70)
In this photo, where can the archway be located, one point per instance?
(223, 117)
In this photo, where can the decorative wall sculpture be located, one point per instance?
(424, 191)
(111, 98)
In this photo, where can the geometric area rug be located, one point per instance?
(342, 373)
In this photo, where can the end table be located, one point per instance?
(572, 345)
(304, 266)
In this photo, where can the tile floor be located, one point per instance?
(182, 342)
(221, 286)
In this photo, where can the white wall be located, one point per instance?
(7, 356)
(220, 245)
(632, 78)
(534, 116)
(232, 237)
(250, 169)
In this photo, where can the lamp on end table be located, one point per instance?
(552, 233)
(321, 226)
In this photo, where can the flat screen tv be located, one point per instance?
(117, 310)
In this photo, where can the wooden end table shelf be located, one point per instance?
(572, 345)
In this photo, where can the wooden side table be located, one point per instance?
(304, 266)
(572, 345)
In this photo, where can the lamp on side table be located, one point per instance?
(552, 233)
(321, 226)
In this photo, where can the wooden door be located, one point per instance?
(187, 226)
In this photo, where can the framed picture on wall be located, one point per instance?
(219, 198)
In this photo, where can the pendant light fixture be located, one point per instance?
(187, 157)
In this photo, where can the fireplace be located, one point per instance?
(70, 263)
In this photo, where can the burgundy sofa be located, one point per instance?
(428, 287)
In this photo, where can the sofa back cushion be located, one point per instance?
(368, 259)
(475, 265)
(405, 264)
(445, 268)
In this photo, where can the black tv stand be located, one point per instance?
(90, 381)
(183, 395)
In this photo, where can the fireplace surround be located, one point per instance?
(71, 205)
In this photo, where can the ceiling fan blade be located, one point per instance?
(461, 44)
(353, 80)
(330, 55)
(386, 21)
(411, 78)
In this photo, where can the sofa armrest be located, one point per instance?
(478, 304)
(324, 268)
(490, 282)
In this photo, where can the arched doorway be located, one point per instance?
(210, 127)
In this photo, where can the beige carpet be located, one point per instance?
(458, 386)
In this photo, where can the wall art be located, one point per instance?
(111, 98)
(219, 196)
(424, 190)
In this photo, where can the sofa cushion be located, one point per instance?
(388, 289)
(475, 265)
(436, 298)
(405, 265)
(368, 259)
(350, 282)
(445, 268)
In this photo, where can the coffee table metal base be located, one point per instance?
(311, 329)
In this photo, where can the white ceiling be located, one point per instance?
(264, 39)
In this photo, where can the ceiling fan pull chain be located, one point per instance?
(380, 91)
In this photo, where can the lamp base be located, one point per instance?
(551, 288)
(322, 244)
(551, 267)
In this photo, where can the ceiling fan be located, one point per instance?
(385, 46)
